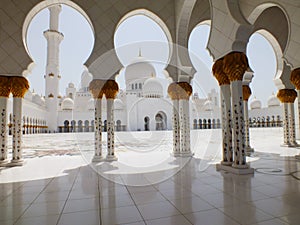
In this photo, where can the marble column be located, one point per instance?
(225, 96)
(246, 95)
(235, 66)
(110, 89)
(173, 93)
(287, 97)
(292, 126)
(95, 88)
(185, 92)
(4, 94)
(19, 87)
(98, 131)
(295, 80)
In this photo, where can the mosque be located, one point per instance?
(235, 186)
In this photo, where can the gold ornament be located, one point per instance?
(110, 89)
(235, 65)
(185, 90)
(287, 95)
(173, 91)
(5, 86)
(219, 74)
(19, 86)
(295, 78)
(246, 92)
(95, 88)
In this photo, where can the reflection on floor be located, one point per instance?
(58, 186)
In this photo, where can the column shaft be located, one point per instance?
(17, 153)
(247, 130)
(285, 124)
(184, 123)
(292, 130)
(98, 130)
(226, 124)
(238, 124)
(176, 128)
(3, 137)
(110, 131)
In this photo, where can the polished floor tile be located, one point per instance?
(197, 194)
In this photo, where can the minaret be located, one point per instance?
(52, 76)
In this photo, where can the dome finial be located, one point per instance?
(140, 52)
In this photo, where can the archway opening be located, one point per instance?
(263, 61)
(160, 121)
(150, 43)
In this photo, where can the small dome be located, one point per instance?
(118, 104)
(255, 104)
(152, 88)
(71, 85)
(67, 104)
(208, 106)
(86, 78)
(137, 69)
(36, 99)
(91, 104)
(273, 101)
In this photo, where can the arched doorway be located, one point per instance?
(86, 126)
(119, 127)
(161, 121)
(80, 126)
(66, 126)
(147, 123)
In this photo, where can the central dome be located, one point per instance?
(138, 68)
(152, 88)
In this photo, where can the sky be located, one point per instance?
(134, 34)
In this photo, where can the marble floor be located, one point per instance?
(58, 185)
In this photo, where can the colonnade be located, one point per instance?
(110, 89)
(229, 72)
(180, 93)
(18, 87)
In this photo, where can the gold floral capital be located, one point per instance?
(110, 89)
(219, 74)
(5, 86)
(246, 92)
(173, 91)
(19, 86)
(287, 95)
(295, 78)
(235, 65)
(185, 90)
(95, 88)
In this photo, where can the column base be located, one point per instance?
(286, 145)
(16, 162)
(111, 158)
(3, 163)
(97, 158)
(175, 154)
(295, 144)
(223, 163)
(235, 170)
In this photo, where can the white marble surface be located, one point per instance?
(57, 185)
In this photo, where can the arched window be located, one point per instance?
(200, 124)
(80, 126)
